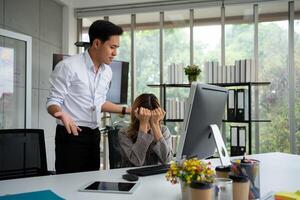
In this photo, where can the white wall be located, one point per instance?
(42, 20)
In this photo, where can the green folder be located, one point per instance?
(38, 195)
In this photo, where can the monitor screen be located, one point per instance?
(206, 106)
(118, 90)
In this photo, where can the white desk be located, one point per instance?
(278, 171)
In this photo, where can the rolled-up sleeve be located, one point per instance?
(58, 85)
(163, 147)
(135, 152)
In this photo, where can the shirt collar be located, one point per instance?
(89, 62)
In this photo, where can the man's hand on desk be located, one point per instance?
(68, 122)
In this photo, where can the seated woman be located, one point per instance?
(145, 141)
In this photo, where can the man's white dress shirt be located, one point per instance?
(79, 90)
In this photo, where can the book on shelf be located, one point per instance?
(237, 68)
(228, 74)
(232, 74)
(237, 140)
(231, 105)
(248, 70)
(224, 73)
(243, 71)
(175, 108)
(253, 71)
(215, 71)
(210, 72)
(176, 73)
(238, 105)
(206, 72)
(220, 74)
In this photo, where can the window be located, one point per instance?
(273, 67)
(176, 52)
(207, 36)
(176, 39)
(147, 52)
(239, 33)
(297, 72)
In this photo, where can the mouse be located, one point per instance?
(130, 177)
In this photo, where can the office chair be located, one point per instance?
(114, 147)
(22, 153)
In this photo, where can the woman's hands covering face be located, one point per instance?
(157, 115)
(145, 115)
(142, 114)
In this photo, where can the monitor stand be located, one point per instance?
(224, 158)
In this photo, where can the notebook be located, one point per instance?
(37, 195)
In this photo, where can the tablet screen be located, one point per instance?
(101, 186)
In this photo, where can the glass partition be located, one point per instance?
(15, 80)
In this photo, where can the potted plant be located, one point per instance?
(195, 176)
(193, 72)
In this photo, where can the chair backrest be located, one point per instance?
(115, 159)
(22, 153)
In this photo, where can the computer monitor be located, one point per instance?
(118, 89)
(57, 58)
(206, 106)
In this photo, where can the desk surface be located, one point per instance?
(279, 172)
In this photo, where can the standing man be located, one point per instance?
(79, 85)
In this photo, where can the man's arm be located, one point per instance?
(59, 87)
(69, 123)
(52, 109)
(114, 108)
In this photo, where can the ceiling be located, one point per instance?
(271, 6)
(97, 3)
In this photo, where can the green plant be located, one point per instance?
(192, 70)
(191, 170)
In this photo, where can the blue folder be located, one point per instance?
(38, 195)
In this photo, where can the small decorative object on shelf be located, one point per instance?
(195, 176)
(193, 72)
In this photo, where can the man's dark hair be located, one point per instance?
(102, 30)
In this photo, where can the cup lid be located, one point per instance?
(222, 168)
(200, 185)
(245, 161)
(240, 179)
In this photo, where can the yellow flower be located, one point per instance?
(189, 170)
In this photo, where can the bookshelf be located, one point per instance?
(247, 85)
(164, 87)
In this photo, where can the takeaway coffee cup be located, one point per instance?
(250, 169)
(222, 171)
(240, 187)
(203, 191)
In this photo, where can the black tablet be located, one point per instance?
(114, 187)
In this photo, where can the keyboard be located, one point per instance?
(149, 170)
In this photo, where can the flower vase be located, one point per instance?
(199, 190)
(192, 78)
(184, 191)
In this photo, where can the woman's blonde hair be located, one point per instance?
(145, 100)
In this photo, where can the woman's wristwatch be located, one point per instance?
(123, 110)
